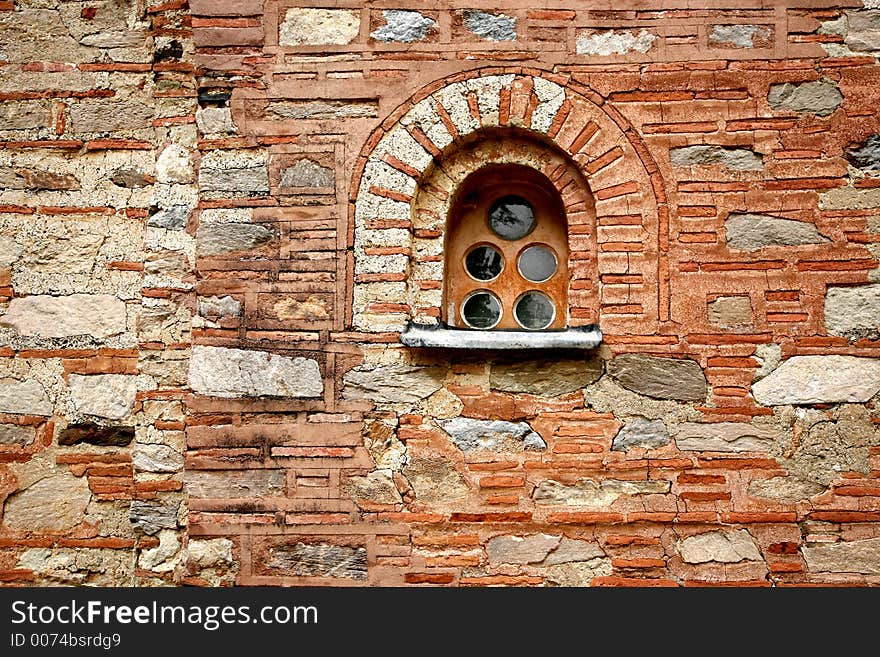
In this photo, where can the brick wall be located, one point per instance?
(218, 217)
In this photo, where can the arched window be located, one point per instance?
(506, 252)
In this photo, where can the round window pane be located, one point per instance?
(481, 310)
(484, 263)
(534, 310)
(511, 217)
(537, 264)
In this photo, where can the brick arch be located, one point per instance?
(405, 161)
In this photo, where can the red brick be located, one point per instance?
(846, 516)
(748, 518)
(429, 578)
(614, 580)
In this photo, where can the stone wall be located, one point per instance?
(216, 218)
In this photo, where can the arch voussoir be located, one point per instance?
(407, 177)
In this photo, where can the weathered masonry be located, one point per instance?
(493, 293)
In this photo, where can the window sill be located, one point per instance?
(582, 337)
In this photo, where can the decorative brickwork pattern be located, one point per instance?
(216, 217)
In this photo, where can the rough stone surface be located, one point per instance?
(853, 312)
(307, 173)
(863, 34)
(768, 355)
(641, 432)
(130, 178)
(738, 159)
(215, 120)
(580, 573)
(859, 556)
(26, 397)
(435, 479)
(819, 380)
(545, 378)
(13, 434)
(739, 36)
(222, 372)
(658, 377)
(784, 489)
(55, 503)
(161, 559)
(79, 566)
(225, 306)
(865, 156)
(172, 218)
(174, 165)
(217, 239)
(724, 437)
(833, 445)
(24, 116)
(730, 312)
(571, 550)
(494, 435)
(108, 396)
(749, 232)
(719, 546)
(821, 97)
(95, 434)
(587, 493)
(850, 198)
(108, 116)
(97, 315)
(156, 458)
(15, 178)
(377, 487)
(210, 552)
(308, 27)
(493, 27)
(520, 549)
(233, 173)
(392, 383)
(319, 560)
(403, 26)
(611, 42)
(150, 516)
(234, 483)
(323, 109)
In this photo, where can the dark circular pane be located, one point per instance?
(481, 310)
(537, 263)
(484, 263)
(534, 311)
(511, 217)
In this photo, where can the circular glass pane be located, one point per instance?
(511, 217)
(481, 310)
(537, 263)
(484, 263)
(534, 310)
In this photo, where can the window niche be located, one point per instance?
(504, 209)
(506, 252)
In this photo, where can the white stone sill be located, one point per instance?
(582, 337)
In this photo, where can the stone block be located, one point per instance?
(819, 380)
(737, 159)
(614, 42)
(492, 435)
(821, 97)
(109, 396)
(749, 232)
(658, 377)
(96, 315)
(319, 27)
(853, 312)
(54, 503)
(546, 378)
(728, 546)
